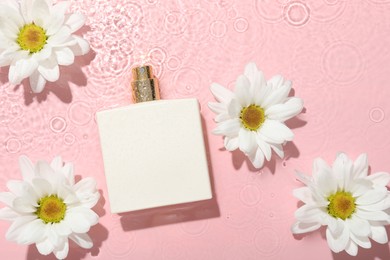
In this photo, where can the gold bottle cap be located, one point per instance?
(144, 84)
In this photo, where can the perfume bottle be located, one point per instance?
(153, 150)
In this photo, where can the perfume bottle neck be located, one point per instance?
(144, 85)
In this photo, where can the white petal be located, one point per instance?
(26, 10)
(9, 13)
(49, 70)
(335, 226)
(53, 237)
(276, 96)
(379, 234)
(62, 228)
(26, 167)
(7, 198)
(22, 205)
(358, 226)
(250, 72)
(338, 244)
(37, 82)
(64, 56)
(231, 143)
(221, 94)
(309, 213)
(283, 112)
(242, 91)
(222, 117)
(257, 158)
(81, 46)
(68, 172)
(9, 28)
(45, 247)
(8, 214)
(360, 166)
(304, 178)
(78, 223)
(278, 149)
(57, 163)
(11, 4)
(378, 206)
(60, 37)
(17, 226)
(44, 54)
(217, 108)
(229, 127)
(261, 93)
(44, 170)
(304, 194)
(83, 240)
(75, 21)
(341, 169)
(379, 178)
(21, 69)
(361, 241)
(301, 227)
(85, 185)
(323, 178)
(89, 200)
(7, 56)
(87, 214)
(234, 108)
(32, 232)
(16, 187)
(372, 215)
(62, 251)
(352, 248)
(276, 131)
(276, 81)
(265, 147)
(40, 12)
(247, 141)
(42, 187)
(60, 8)
(371, 197)
(359, 187)
(54, 24)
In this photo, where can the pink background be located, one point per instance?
(336, 53)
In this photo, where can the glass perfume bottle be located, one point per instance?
(153, 151)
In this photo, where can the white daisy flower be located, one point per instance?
(47, 207)
(35, 37)
(352, 204)
(252, 119)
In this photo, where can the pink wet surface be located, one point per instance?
(336, 53)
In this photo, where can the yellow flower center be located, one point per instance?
(51, 209)
(252, 117)
(32, 38)
(341, 205)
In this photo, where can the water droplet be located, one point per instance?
(58, 124)
(69, 139)
(80, 113)
(218, 29)
(241, 25)
(173, 63)
(28, 138)
(377, 115)
(13, 145)
(297, 14)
